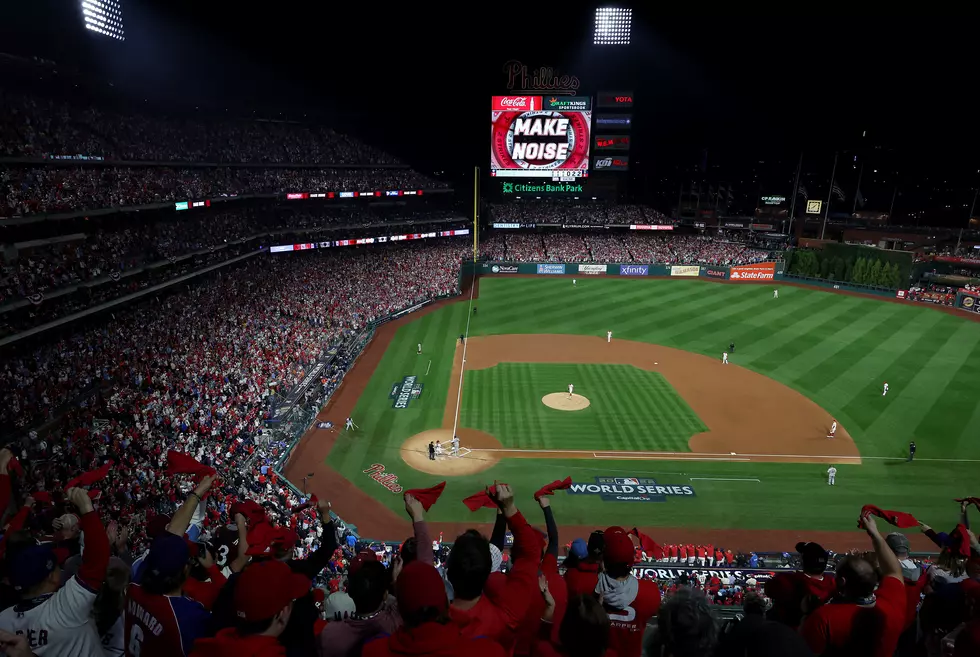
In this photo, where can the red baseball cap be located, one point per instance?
(619, 547)
(362, 558)
(264, 588)
(419, 585)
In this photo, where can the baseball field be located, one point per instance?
(658, 432)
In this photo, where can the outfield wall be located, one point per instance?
(762, 271)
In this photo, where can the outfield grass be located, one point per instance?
(835, 349)
(631, 409)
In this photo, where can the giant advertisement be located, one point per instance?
(540, 136)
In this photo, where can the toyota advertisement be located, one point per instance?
(540, 136)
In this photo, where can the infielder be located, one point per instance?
(831, 475)
(608, 336)
(775, 294)
(724, 358)
(420, 349)
(570, 389)
(884, 390)
(833, 429)
(349, 425)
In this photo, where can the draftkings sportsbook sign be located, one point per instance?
(630, 489)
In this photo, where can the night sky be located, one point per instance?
(742, 95)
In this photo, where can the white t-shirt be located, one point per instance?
(61, 624)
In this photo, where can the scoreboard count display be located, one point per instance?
(540, 136)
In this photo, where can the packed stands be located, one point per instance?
(575, 214)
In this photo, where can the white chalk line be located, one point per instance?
(462, 366)
(691, 456)
(758, 481)
(427, 367)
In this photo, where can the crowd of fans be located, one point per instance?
(33, 126)
(27, 190)
(639, 247)
(121, 246)
(576, 214)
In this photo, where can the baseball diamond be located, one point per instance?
(748, 440)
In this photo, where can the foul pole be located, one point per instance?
(476, 213)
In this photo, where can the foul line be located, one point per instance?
(693, 456)
(758, 481)
(462, 365)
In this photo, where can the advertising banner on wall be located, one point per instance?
(714, 272)
(503, 269)
(762, 271)
(634, 270)
(685, 270)
(551, 269)
(592, 269)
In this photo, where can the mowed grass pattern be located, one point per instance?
(835, 349)
(631, 409)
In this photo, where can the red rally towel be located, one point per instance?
(90, 477)
(648, 545)
(428, 496)
(481, 500)
(251, 509)
(310, 503)
(14, 466)
(897, 518)
(180, 463)
(557, 484)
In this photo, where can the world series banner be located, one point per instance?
(540, 136)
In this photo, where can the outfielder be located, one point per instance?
(573, 282)
(571, 388)
(884, 391)
(420, 349)
(724, 358)
(608, 336)
(349, 425)
(831, 475)
(775, 294)
(833, 429)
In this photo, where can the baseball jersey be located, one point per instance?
(626, 626)
(832, 471)
(58, 623)
(225, 546)
(161, 625)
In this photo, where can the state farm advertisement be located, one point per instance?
(762, 271)
(540, 136)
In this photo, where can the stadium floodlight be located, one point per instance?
(612, 26)
(104, 17)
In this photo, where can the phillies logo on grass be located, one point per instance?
(387, 479)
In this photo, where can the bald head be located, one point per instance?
(856, 577)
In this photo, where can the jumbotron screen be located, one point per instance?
(540, 136)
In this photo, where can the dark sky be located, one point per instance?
(752, 91)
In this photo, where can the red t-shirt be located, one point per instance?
(627, 625)
(582, 579)
(846, 630)
(684, 553)
(913, 595)
(787, 591)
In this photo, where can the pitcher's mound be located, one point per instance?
(415, 452)
(562, 402)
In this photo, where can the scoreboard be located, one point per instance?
(540, 137)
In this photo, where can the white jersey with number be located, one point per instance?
(831, 472)
(113, 640)
(60, 624)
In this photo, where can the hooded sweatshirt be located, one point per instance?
(228, 643)
(346, 638)
(582, 578)
(630, 603)
(431, 640)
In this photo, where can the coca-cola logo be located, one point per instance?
(513, 101)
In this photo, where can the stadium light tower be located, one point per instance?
(104, 17)
(612, 26)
